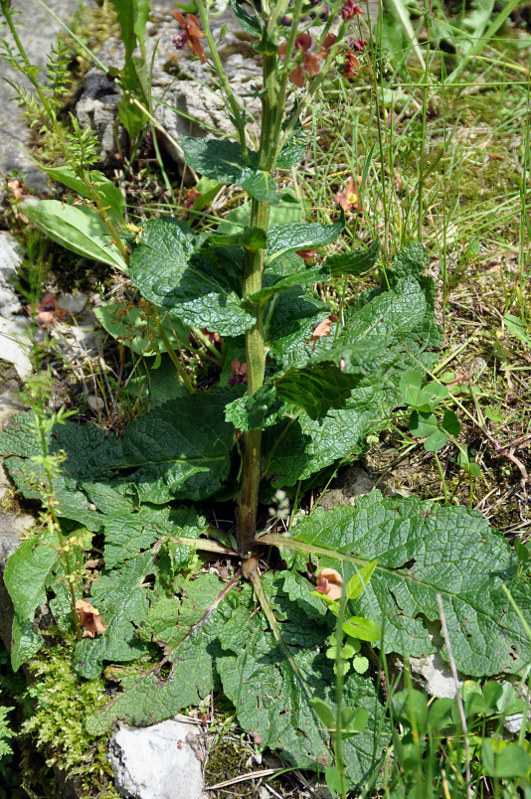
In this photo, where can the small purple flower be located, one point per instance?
(179, 40)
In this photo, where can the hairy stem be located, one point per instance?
(255, 358)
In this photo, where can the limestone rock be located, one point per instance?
(158, 762)
(14, 343)
(37, 30)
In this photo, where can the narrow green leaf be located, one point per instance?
(325, 713)
(132, 17)
(77, 228)
(357, 584)
(110, 194)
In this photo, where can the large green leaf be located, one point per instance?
(76, 227)
(179, 450)
(295, 449)
(425, 549)
(316, 387)
(188, 629)
(282, 239)
(123, 602)
(272, 699)
(223, 161)
(27, 573)
(169, 274)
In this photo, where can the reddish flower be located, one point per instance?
(357, 44)
(239, 372)
(307, 255)
(351, 9)
(47, 310)
(192, 32)
(329, 40)
(89, 618)
(321, 330)
(191, 196)
(329, 582)
(351, 65)
(310, 65)
(350, 200)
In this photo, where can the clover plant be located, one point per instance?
(301, 386)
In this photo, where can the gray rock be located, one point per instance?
(14, 323)
(37, 30)
(97, 108)
(436, 674)
(158, 762)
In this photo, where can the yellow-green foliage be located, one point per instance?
(61, 702)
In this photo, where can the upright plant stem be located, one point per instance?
(255, 357)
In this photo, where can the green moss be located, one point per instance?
(61, 701)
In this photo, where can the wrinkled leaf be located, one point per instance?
(165, 269)
(223, 161)
(282, 239)
(466, 567)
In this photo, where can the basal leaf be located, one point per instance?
(128, 533)
(223, 161)
(283, 239)
(165, 269)
(191, 645)
(26, 575)
(180, 450)
(274, 700)
(123, 602)
(425, 549)
(77, 228)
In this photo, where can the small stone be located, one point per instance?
(73, 303)
(437, 674)
(157, 762)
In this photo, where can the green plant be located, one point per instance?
(300, 389)
(433, 740)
